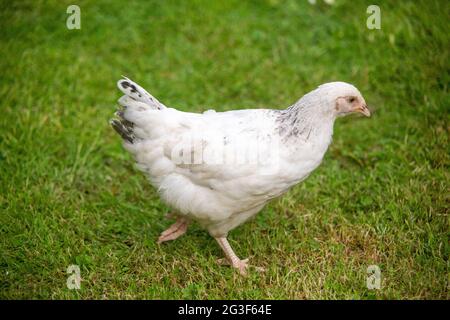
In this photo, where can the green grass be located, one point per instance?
(69, 193)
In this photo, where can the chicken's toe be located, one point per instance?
(174, 231)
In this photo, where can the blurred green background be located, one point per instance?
(71, 195)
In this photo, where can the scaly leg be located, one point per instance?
(175, 230)
(240, 265)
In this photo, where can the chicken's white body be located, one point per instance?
(222, 192)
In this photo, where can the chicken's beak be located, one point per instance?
(363, 109)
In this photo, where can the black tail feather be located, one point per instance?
(124, 128)
(128, 124)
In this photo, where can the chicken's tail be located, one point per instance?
(123, 127)
(135, 96)
(137, 93)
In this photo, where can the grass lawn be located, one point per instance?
(70, 194)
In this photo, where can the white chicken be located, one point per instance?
(220, 168)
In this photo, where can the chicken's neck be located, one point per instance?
(305, 121)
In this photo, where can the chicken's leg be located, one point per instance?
(240, 265)
(175, 230)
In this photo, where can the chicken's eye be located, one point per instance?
(352, 99)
